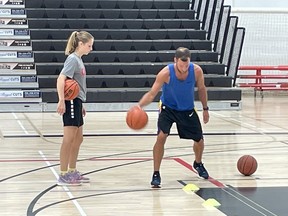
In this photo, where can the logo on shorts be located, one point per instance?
(190, 115)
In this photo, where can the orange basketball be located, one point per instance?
(71, 89)
(136, 118)
(247, 165)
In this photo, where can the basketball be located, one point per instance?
(247, 165)
(71, 89)
(136, 118)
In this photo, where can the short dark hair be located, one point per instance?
(183, 53)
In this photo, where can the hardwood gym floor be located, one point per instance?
(118, 161)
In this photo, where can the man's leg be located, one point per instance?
(158, 152)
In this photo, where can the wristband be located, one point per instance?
(205, 108)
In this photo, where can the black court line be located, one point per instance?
(30, 211)
(140, 151)
(32, 204)
(144, 134)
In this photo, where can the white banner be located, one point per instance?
(6, 32)
(5, 12)
(8, 54)
(11, 94)
(10, 79)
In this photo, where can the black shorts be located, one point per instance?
(187, 123)
(73, 115)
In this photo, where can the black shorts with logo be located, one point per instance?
(187, 123)
(73, 115)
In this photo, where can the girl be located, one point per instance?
(79, 44)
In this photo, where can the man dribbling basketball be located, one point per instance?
(79, 44)
(177, 105)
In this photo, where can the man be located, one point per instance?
(177, 105)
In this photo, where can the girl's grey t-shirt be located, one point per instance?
(74, 68)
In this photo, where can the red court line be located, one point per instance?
(179, 160)
(89, 159)
(187, 165)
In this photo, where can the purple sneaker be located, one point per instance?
(78, 176)
(68, 180)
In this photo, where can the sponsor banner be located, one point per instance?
(8, 54)
(11, 94)
(18, 79)
(31, 94)
(7, 32)
(21, 32)
(16, 54)
(18, 11)
(16, 32)
(10, 79)
(17, 66)
(15, 43)
(12, 12)
(25, 54)
(20, 94)
(13, 22)
(11, 2)
(5, 12)
(28, 78)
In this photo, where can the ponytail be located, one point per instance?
(75, 38)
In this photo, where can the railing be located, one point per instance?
(258, 78)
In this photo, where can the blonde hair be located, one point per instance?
(75, 38)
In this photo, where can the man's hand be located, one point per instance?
(205, 116)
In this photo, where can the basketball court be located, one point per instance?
(119, 163)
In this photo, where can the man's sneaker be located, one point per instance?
(78, 176)
(156, 181)
(68, 180)
(202, 172)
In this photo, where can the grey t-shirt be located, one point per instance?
(74, 68)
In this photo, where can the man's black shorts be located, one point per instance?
(187, 123)
(73, 115)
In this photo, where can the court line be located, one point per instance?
(253, 127)
(20, 123)
(210, 179)
(246, 198)
(225, 188)
(220, 133)
(37, 130)
(113, 192)
(1, 135)
(66, 189)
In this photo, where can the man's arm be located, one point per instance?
(161, 78)
(202, 91)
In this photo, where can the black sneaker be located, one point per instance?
(202, 172)
(156, 181)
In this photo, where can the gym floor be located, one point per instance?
(119, 163)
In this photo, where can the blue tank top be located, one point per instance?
(179, 94)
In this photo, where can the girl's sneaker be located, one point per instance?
(68, 180)
(78, 176)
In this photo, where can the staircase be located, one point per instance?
(134, 39)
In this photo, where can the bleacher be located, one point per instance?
(18, 79)
(134, 39)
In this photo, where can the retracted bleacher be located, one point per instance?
(134, 39)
